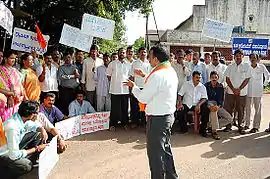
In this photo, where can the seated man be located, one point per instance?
(43, 121)
(80, 106)
(194, 98)
(215, 93)
(49, 110)
(23, 141)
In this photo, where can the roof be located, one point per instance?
(182, 23)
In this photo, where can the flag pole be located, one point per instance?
(4, 45)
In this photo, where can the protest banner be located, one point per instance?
(74, 37)
(250, 45)
(48, 159)
(95, 122)
(98, 26)
(217, 30)
(69, 128)
(6, 18)
(26, 41)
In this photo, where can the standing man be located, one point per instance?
(130, 55)
(255, 91)
(181, 68)
(207, 59)
(118, 72)
(158, 98)
(237, 76)
(48, 78)
(197, 65)
(189, 55)
(56, 56)
(89, 68)
(79, 61)
(139, 71)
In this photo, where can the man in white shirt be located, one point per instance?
(193, 97)
(255, 92)
(181, 68)
(237, 76)
(139, 71)
(130, 55)
(118, 72)
(207, 59)
(158, 98)
(89, 68)
(48, 78)
(216, 66)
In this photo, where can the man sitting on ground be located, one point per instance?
(50, 111)
(23, 141)
(215, 93)
(80, 106)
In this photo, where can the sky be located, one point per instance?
(169, 14)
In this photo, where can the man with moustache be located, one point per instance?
(199, 66)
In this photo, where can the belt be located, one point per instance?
(165, 115)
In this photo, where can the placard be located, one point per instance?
(74, 37)
(26, 41)
(98, 26)
(48, 158)
(217, 30)
(6, 18)
(69, 128)
(250, 45)
(95, 122)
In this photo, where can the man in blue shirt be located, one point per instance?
(23, 141)
(199, 66)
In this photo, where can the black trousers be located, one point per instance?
(159, 147)
(137, 117)
(119, 109)
(10, 169)
(42, 95)
(66, 96)
(181, 116)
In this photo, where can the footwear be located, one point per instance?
(133, 126)
(203, 133)
(242, 131)
(126, 128)
(112, 129)
(254, 130)
(234, 124)
(246, 128)
(228, 128)
(267, 130)
(215, 136)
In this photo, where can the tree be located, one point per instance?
(138, 44)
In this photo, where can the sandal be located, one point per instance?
(254, 130)
(267, 130)
(215, 136)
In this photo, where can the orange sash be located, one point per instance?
(161, 66)
(3, 141)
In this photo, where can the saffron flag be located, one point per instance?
(42, 42)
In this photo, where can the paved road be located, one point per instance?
(122, 155)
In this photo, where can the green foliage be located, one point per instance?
(138, 44)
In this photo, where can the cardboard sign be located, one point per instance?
(69, 128)
(48, 158)
(249, 46)
(217, 30)
(74, 37)
(6, 18)
(98, 26)
(95, 122)
(26, 41)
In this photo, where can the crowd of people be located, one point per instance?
(36, 93)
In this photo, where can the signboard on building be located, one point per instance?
(250, 45)
(217, 30)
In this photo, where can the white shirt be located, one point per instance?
(43, 121)
(119, 73)
(159, 93)
(237, 74)
(50, 82)
(181, 74)
(192, 94)
(255, 84)
(88, 74)
(220, 69)
(145, 67)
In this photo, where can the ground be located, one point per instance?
(122, 155)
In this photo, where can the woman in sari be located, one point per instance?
(30, 80)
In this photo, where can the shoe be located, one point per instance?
(242, 131)
(234, 124)
(209, 130)
(254, 130)
(246, 128)
(215, 136)
(112, 129)
(228, 128)
(267, 130)
(126, 128)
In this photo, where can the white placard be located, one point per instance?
(26, 41)
(6, 18)
(74, 37)
(98, 26)
(95, 122)
(48, 159)
(69, 128)
(217, 30)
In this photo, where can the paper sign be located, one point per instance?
(48, 159)
(95, 122)
(217, 30)
(74, 37)
(6, 18)
(69, 128)
(98, 26)
(26, 41)
(249, 46)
